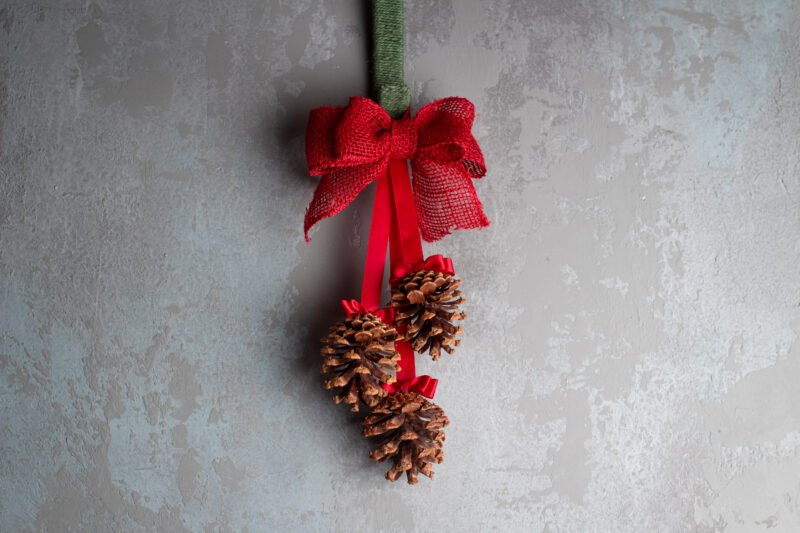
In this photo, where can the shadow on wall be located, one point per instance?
(330, 268)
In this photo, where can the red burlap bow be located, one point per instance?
(351, 146)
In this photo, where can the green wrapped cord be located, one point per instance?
(388, 55)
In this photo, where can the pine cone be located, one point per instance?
(427, 303)
(410, 430)
(358, 356)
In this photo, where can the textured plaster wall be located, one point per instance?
(631, 363)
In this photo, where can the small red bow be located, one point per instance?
(424, 385)
(351, 146)
(437, 263)
(354, 307)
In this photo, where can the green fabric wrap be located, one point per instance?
(387, 55)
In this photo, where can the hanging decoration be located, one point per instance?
(368, 358)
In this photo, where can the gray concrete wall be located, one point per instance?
(631, 359)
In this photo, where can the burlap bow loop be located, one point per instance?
(351, 146)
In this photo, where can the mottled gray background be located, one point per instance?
(631, 363)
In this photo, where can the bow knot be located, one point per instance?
(350, 147)
(403, 138)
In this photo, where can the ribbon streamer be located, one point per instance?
(376, 246)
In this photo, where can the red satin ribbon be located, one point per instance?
(406, 246)
(376, 247)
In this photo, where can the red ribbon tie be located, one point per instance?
(354, 307)
(424, 385)
(436, 263)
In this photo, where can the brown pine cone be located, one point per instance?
(409, 428)
(358, 356)
(427, 303)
